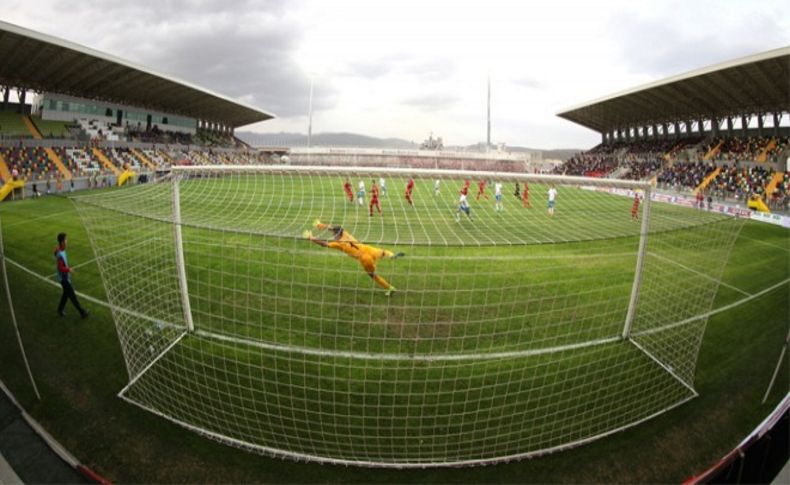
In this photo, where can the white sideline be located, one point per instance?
(681, 265)
(33, 219)
(714, 311)
(83, 295)
(85, 263)
(365, 355)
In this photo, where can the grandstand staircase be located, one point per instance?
(140, 156)
(31, 127)
(54, 158)
(619, 172)
(167, 157)
(106, 161)
(713, 151)
(763, 156)
(5, 174)
(773, 183)
(202, 157)
(9, 186)
(707, 180)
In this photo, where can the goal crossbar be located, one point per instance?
(329, 170)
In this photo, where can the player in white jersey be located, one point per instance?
(463, 206)
(552, 199)
(436, 187)
(361, 193)
(498, 196)
(383, 186)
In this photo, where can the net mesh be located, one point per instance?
(502, 337)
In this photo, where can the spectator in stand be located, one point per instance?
(684, 176)
(588, 165)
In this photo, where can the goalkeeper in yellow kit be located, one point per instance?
(367, 256)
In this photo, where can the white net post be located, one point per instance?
(640, 259)
(179, 248)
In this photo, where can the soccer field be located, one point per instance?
(501, 340)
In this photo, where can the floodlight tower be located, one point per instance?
(488, 119)
(310, 117)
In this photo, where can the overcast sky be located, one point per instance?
(407, 68)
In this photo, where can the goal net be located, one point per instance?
(503, 331)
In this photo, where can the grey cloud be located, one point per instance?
(423, 69)
(432, 102)
(242, 49)
(178, 10)
(430, 69)
(367, 69)
(529, 82)
(663, 46)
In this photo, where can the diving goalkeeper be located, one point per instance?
(367, 256)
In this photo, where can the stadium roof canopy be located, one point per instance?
(39, 62)
(755, 84)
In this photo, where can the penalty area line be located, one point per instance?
(681, 265)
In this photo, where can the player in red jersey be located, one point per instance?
(635, 208)
(409, 188)
(481, 190)
(349, 192)
(525, 196)
(374, 197)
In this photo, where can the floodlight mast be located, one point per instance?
(488, 117)
(310, 116)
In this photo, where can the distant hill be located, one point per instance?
(561, 153)
(284, 139)
(323, 139)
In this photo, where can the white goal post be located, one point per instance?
(280, 316)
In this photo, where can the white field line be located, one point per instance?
(86, 296)
(436, 357)
(125, 248)
(681, 265)
(714, 311)
(787, 247)
(33, 219)
(409, 357)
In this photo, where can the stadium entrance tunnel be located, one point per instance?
(500, 335)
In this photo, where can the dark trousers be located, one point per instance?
(68, 293)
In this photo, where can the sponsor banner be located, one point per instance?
(776, 219)
(682, 200)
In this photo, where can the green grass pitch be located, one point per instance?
(525, 240)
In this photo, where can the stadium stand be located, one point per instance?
(11, 125)
(51, 129)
